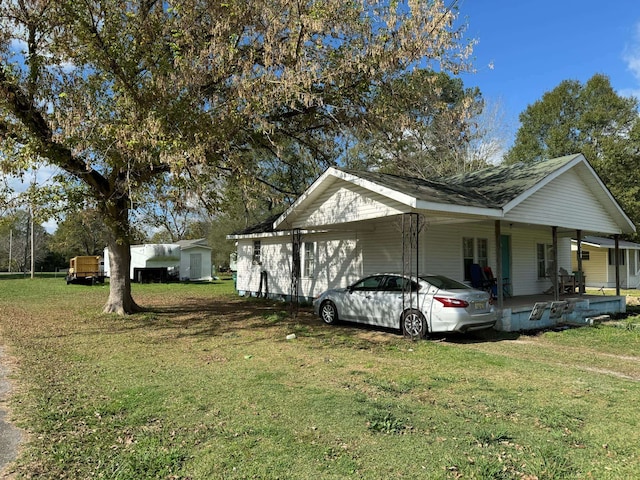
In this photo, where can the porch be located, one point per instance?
(530, 312)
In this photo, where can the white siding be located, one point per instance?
(442, 247)
(565, 202)
(343, 257)
(345, 202)
(338, 264)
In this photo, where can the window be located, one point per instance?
(394, 283)
(369, 283)
(257, 255)
(468, 256)
(483, 252)
(585, 255)
(544, 259)
(309, 261)
(612, 256)
(474, 250)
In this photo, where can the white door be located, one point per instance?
(195, 266)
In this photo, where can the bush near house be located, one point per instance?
(206, 385)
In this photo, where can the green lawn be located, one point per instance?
(206, 385)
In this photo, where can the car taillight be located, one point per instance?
(452, 302)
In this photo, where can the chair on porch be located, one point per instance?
(480, 280)
(506, 290)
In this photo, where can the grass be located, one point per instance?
(205, 385)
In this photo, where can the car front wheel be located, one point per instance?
(328, 313)
(414, 324)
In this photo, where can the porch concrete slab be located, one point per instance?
(516, 311)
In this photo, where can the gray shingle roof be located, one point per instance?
(504, 183)
(492, 187)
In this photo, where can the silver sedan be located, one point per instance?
(416, 306)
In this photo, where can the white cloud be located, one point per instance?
(631, 56)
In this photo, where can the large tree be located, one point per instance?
(118, 93)
(592, 119)
(435, 137)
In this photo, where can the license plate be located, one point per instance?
(479, 305)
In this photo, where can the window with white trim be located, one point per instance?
(612, 256)
(309, 259)
(544, 258)
(257, 253)
(474, 250)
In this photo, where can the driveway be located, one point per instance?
(10, 436)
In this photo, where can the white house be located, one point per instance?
(598, 262)
(187, 260)
(517, 219)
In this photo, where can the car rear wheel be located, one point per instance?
(413, 324)
(328, 312)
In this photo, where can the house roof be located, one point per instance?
(266, 226)
(202, 242)
(497, 192)
(603, 242)
(492, 187)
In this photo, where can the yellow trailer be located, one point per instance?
(85, 269)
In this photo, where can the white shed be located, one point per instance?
(195, 260)
(185, 260)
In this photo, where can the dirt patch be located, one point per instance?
(633, 300)
(10, 436)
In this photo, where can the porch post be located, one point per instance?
(499, 281)
(554, 263)
(616, 252)
(579, 258)
(626, 265)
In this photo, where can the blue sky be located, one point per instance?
(527, 48)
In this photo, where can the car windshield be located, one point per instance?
(444, 283)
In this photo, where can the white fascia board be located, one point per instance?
(276, 234)
(623, 245)
(589, 244)
(459, 209)
(545, 181)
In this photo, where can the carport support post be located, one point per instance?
(616, 239)
(554, 275)
(499, 279)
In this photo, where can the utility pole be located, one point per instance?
(33, 263)
(10, 247)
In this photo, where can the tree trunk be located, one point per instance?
(120, 300)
